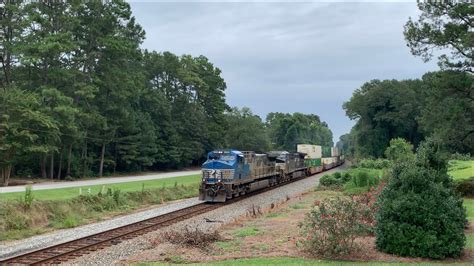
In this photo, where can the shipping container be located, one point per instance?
(312, 151)
(326, 152)
(312, 162)
(335, 152)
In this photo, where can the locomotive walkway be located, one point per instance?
(101, 181)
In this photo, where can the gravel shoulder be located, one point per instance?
(12, 248)
(210, 221)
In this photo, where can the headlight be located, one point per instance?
(203, 180)
(219, 180)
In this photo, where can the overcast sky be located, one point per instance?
(289, 57)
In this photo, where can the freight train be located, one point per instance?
(230, 173)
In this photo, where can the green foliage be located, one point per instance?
(331, 227)
(288, 130)
(28, 198)
(447, 108)
(399, 150)
(420, 215)
(246, 131)
(330, 181)
(444, 26)
(384, 110)
(374, 163)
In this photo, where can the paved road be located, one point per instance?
(101, 181)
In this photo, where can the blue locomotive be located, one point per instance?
(230, 173)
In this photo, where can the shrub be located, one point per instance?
(330, 181)
(375, 164)
(399, 150)
(465, 188)
(461, 157)
(331, 227)
(346, 177)
(420, 215)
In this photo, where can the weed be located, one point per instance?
(28, 199)
(254, 211)
(247, 231)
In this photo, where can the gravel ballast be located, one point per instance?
(206, 222)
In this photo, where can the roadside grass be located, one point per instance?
(19, 220)
(461, 170)
(68, 193)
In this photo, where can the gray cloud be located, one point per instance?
(289, 57)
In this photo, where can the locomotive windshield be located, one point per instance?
(222, 156)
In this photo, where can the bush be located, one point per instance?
(346, 177)
(375, 164)
(331, 227)
(330, 181)
(461, 157)
(420, 215)
(465, 188)
(399, 150)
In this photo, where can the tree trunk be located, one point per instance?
(84, 159)
(101, 166)
(51, 167)
(69, 156)
(60, 164)
(43, 166)
(5, 174)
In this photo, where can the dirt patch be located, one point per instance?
(272, 233)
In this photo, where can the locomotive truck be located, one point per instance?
(230, 173)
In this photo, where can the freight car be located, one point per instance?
(229, 173)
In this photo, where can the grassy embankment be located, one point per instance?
(21, 216)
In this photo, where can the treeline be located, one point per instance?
(439, 105)
(80, 98)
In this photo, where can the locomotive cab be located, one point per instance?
(220, 172)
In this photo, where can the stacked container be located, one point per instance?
(312, 158)
(326, 153)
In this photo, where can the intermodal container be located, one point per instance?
(312, 151)
(335, 152)
(326, 152)
(312, 162)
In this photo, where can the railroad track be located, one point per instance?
(76, 248)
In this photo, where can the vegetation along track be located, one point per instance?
(69, 250)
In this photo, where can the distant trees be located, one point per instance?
(287, 130)
(80, 98)
(440, 104)
(246, 131)
(384, 110)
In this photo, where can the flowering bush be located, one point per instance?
(331, 227)
(369, 200)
